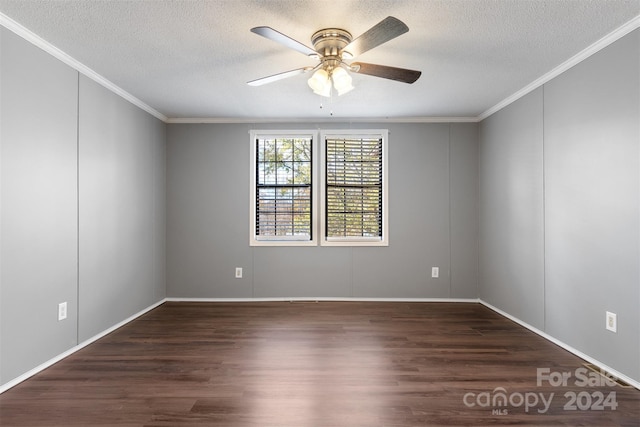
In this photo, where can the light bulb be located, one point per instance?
(320, 83)
(341, 80)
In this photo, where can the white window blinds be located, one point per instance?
(354, 187)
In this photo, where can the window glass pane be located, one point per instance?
(283, 187)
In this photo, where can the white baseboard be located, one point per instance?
(14, 382)
(43, 366)
(565, 346)
(336, 299)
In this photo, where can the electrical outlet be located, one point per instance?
(612, 322)
(238, 272)
(62, 311)
(435, 272)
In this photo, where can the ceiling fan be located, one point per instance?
(333, 47)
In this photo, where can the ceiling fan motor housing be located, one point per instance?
(329, 43)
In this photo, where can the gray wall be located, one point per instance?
(122, 209)
(560, 206)
(81, 207)
(511, 210)
(432, 214)
(38, 231)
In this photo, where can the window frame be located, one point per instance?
(255, 240)
(353, 241)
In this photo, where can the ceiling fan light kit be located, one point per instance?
(321, 80)
(341, 80)
(332, 46)
(320, 83)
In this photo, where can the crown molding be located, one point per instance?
(232, 120)
(605, 41)
(38, 41)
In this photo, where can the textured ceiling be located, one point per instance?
(192, 59)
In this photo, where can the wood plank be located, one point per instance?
(323, 364)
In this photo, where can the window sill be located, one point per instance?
(283, 243)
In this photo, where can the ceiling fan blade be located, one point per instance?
(285, 40)
(398, 74)
(385, 30)
(279, 76)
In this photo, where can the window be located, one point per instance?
(352, 207)
(354, 201)
(283, 190)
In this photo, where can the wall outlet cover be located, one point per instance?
(62, 311)
(612, 322)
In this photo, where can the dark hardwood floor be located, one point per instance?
(320, 364)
